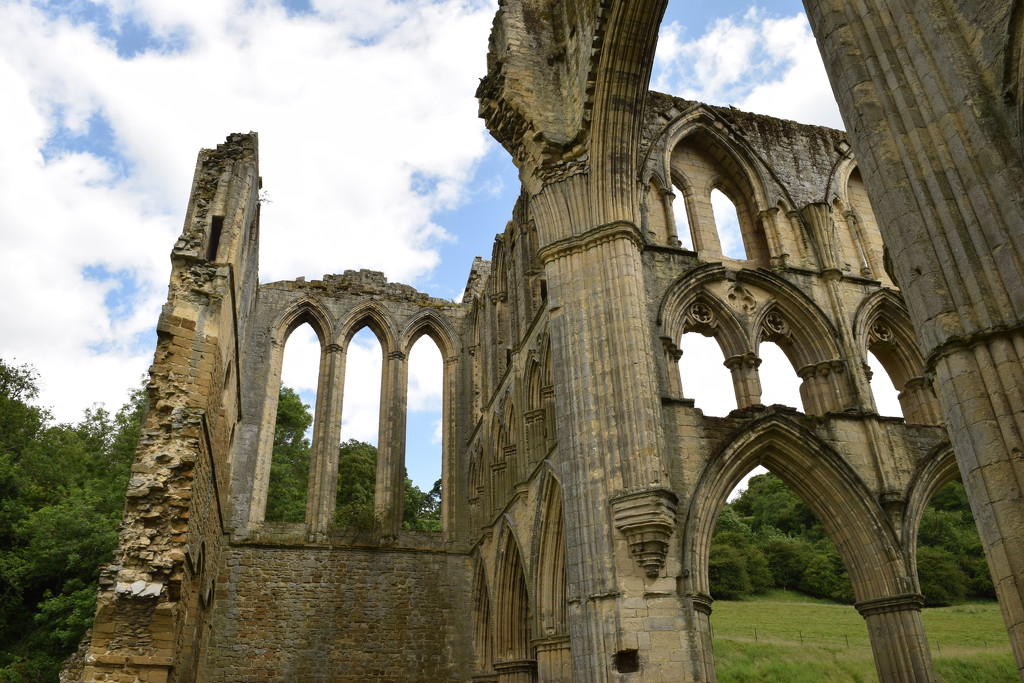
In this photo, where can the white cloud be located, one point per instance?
(367, 127)
(754, 62)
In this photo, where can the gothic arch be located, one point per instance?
(551, 622)
(513, 651)
(882, 326)
(429, 322)
(304, 311)
(549, 554)
(936, 470)
(677, 314)
(483, 633)
(884, 584)
(811, 337)
(374, 317)
(827, 484)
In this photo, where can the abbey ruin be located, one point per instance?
(581, 485)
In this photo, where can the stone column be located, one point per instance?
(673, 383)
(394, 387)
(547, 396)
(323, 466)
(897, 637)
(821, 389)
(554, 659)
(535, 441)
(667, 198)
(619, 517)
(918, 402)
(745, 380)
(933, 135)
(518, 671)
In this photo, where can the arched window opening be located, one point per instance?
(293, 430)
(768, 545)
(360, 414)
(360, 423)
(951, 565)
(423, 432)
(704, 377)
(728, 223)
(767, 539)
(886, 395)
(682, 219)
(779, 382)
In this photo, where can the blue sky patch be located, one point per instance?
(120, 300)
(98, 139)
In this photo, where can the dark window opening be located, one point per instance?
(212, 244)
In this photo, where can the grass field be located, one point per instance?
(789, 638)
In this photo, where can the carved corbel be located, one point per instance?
(647, 519)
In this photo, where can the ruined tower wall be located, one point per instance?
(152, 611)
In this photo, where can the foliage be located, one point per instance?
(289, 464)
(768, 537)
(61, 497)
(357, 476)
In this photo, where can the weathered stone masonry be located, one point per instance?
(581, 485)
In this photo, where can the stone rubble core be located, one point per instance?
(581, 485)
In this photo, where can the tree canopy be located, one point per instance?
(357, 476)
(768, 538)
(61, 497)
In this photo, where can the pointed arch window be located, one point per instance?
(288, 477)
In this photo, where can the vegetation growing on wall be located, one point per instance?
(767, 538)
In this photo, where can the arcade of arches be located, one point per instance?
(580, 483)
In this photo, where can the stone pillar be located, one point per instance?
(535, 438)
(517, 671)
(554, 659)
(673, 383)
(918, 402)
(394, 387)
(323, 466)
(700, 609)
(821, 389)
(897, 637)
(745, 380)
(929, 123)
(667, 198)
(547, 396)
(610, 435)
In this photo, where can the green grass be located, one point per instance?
(786, 636)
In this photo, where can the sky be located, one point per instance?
(371, 153)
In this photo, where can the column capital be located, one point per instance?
(890, 603)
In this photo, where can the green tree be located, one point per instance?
(289, 463)
(825, 575)
(941, 579)
(61, 496)
(357, 477)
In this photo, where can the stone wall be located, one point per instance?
(288, 613)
